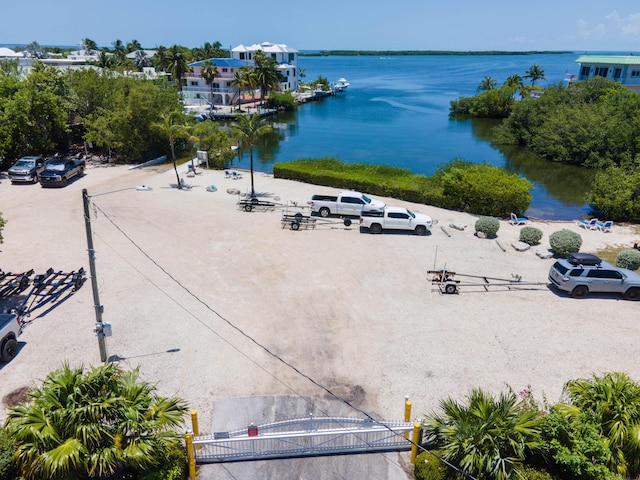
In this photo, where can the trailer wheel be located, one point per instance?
(248, 208)
(324, 212)
(347, 222)
(9, 349)
(24, 283)
(295, 225)
(451, 288)
(78, 283)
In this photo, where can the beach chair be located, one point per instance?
(516, 220)
(604, 227)
(227, 174)
(236, 175)
(588, 225)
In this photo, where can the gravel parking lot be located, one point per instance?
(213, 303)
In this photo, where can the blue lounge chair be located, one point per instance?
(516, 220)
(236, 175)
(604, 227)
(227, 174)
(588, 225)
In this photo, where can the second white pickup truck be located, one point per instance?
(345, 203)
(395, 218)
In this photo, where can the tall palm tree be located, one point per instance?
(209, 72)
(535, 72)
(487, 83)
(613, 402)
(133, 46)
(141, 59)
(266, 72)
(177, 65)
(160, 58)
(174, 126)
(89, 46)
(487, 438)
(93, 425)
(248, 129)
(239, 82)
(104, 60)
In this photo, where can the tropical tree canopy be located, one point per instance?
(95, 424)
(177, 64)
(487, 83)
(535, 72)
(247, 129)
(488, 437)
(267, 74)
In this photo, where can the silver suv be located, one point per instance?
(582, 273)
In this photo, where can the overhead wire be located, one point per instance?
(261, 346)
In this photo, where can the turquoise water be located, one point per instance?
(396, 112)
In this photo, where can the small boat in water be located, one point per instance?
(341, 85)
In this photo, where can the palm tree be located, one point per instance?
(488, 438)
(89, 46)
(487, 83)
(535, 72)
(96, 424)
(266, 72)
(119, 52)
(613, 402)
(160, 58)
(104, 60)
(173, 126)
(177, 65)
(239, 82)
(209, 72)
(141, 59)
(133, 46)
(248, 129)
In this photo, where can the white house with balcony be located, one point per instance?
(624, 69)
(197, 91)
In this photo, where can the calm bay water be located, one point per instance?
(396, 112)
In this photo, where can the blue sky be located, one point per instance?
(587, 25)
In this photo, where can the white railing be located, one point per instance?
(303, 438)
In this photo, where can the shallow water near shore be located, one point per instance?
(396, 112)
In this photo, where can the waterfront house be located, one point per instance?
(196, 91)
(624, 69)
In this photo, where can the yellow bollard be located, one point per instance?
(190, 456)
(194, 425)
(415, 439)
(407, 413)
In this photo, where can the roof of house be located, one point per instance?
(610, 59)
(266, 47)
(147, 53)
(223, 62)
(7, 52)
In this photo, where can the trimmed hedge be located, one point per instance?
(563, 242)
(530, 235)
(629, 258)
(475, 188)
(488, 225)
(429, 467)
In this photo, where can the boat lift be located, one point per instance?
(11, 283)
(448, 283)
(48, 287)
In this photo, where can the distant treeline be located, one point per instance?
(327, 53)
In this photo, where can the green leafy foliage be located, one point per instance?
(95, 424)
(616, 194)
(8, 447)
(563, 242)
(480, 189)
(530, 235)
(429, 467)
(2, 224)
(629, 258)
(574, 447)
(490, 103)
(487, 225)
(592, 123)
(282, 101)
(489, 437)
(612, 402)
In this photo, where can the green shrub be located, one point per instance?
(629, 258)
(563, 242)
(530, 235)
(429, 467)
(7, 449)
(530, 473)
(173, 467)
(282, 101)
(616, 194)
(488, 225)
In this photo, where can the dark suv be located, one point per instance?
(582, 273)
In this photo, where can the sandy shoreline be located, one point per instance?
(355, 312)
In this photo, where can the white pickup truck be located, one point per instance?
(345, 203)
(9, 331)
(395, 218)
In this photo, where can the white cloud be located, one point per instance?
(626, 26)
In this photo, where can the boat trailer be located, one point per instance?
(11, 283)
(48, 287)
(448, 283)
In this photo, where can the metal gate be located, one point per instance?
(304, 437)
